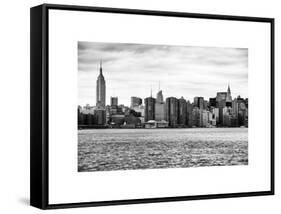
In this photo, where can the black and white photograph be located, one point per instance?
(151, 106)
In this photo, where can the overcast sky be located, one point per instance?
(135, 69)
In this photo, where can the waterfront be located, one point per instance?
(124, 149)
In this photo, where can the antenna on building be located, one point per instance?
(150, 91)
(101, 66)
(159, 86)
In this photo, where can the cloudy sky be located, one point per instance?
(135, 69)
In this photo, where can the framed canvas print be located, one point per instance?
(135, 106)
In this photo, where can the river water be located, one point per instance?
(128, 149)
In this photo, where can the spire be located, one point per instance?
(228, 96)
(159, 86)
(228, 89)
(151, 92)
(101, 67)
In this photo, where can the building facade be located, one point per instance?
(159, 107)
(159, 97)
(135, 101)
(199, 102)
(149, 110)
(114, 101)
(171, 111)
(182, 115)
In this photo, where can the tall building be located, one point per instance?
(159, 111)
(100, 116)
(199, 102)
(149, 110)
(182, 115)
(221, 103)
(204, 118)
(235, 108)
(228, 95)
(159, 97)
(242, 112)
(221, 96)
(159, 107)
(223, 99)
(100, 92)
(228, 100)
(189, 108)
(171, 111)
(114, 101)
(195, 117)
(135, 101)
(212, 102)
(213, 116)
(113, 108)
(80, 115)
(226, 116)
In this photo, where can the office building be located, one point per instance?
(149, 111)
(182, 115)
(171, 111)
(101, 89)
(113, 101)
(135, 101)
(159, 97)
(199, 102)
(195, 117)
(159, 107)
(228, 95)
(189, 108)
(100, 116)
(212, 102)
(203, 118)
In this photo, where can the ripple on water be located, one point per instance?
(123, 149)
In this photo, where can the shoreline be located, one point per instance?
(84, 128)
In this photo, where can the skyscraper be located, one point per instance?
(171, 111)
(196, 116)
(199, 102)
(114, 101)
(159, 107)
(221, 96)
(135, 101)
(189, 108)
(100, 92)
(228, 95)
(223, 99)
(159, 97)
(204, 118)
(182, 115)
(100, 116)
(212, 102)
(149, 112)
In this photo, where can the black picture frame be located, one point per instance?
(39, 113)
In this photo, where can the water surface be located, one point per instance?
(124, 149)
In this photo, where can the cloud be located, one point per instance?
(132, 69)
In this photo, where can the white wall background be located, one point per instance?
(14, 108)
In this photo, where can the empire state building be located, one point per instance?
(100, 92)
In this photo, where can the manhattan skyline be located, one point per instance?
(136, 69)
